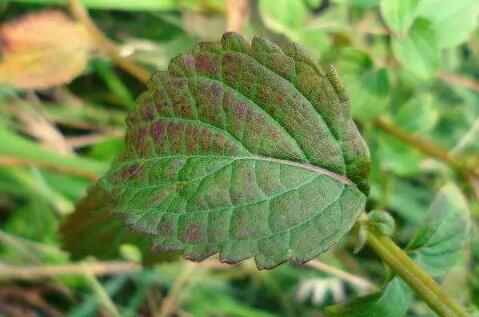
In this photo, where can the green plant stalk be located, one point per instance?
(101, 294)
(105, 44)
(425, 286)
(426, 147)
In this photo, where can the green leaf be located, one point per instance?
(453, 21)
(436, 246)
(371, 93)
(439, 242)
(35, 221)
(392, 301)
(418, 115)
(382, 221)
(246, 150)
(92, 231)
(398, 14)
(316, 41)
(394, 155)
(418, 51)
(366, 4)
(368, 86)
(287, 16)
(16, 146)
(211, 299)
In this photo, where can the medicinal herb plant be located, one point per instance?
(250, 151)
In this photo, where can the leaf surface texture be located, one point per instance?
(246, 150)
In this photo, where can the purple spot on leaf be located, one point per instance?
(165, 228)
(188, 62)
(193, 233)
(206, 64)
(216, 89)
(148, 111)
(158, 131)
(130, 172)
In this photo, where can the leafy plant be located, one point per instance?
(245, 152)
(435, 247)
(236, 149)
(250, 151)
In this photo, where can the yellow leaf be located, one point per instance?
(43, 49)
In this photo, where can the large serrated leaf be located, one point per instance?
(246, 150)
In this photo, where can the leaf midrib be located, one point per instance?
(252, 203)
(306, 166)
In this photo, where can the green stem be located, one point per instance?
(101, 294)
(426, 287)
(426, 147)
(104, 43)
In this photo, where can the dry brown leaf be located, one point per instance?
(42, 49)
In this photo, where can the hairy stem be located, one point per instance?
(105, 44)
(426, 147)
(425, 286)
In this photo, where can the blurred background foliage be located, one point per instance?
(411, 68)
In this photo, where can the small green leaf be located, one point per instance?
(453, 21)
(396, 156)
(408, 199)
(92, 231)
(246, 150)
(316, 40)
(361, 236)
(283, 15)
(398, 14)
(368, 86)
(392, 301)
(382, 221)
(418, 51)
(418, 115)
(436, 246)
(439, 242)
(372, 93)
(366, 4)
(215, 299)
